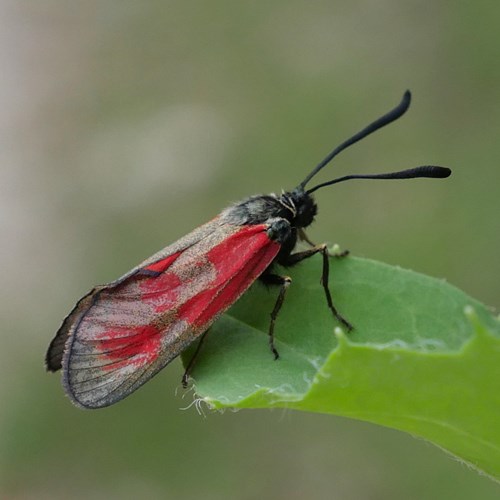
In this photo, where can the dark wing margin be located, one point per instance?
(55, 352)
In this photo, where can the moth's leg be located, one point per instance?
(303, 237)
(339, 255)
(192, 361)
(294, 258)
(284, 283)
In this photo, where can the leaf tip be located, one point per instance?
(334, 249)
(471, 315)
(480, 329)
(341, 337)
(470, 312)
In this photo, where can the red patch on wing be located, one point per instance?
(238, 260)
(143, 342)
(161, 292)
(163, 264)
(121, 345)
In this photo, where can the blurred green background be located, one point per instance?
(126, 124)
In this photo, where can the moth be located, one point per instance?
(119, 335)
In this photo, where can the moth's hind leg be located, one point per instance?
(284, 283)
(192, 361)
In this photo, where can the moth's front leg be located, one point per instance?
(303, 237)
(297, 257)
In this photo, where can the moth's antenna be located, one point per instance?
(425, 171)
(389, 117)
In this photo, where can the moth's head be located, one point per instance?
(302, 205)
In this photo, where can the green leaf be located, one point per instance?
(423, 357)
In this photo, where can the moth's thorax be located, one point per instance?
(297, 206)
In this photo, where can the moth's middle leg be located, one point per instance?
(284, 283)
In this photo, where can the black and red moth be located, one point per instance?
(121, 334)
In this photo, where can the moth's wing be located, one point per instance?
(121, 335)
(55, 352)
